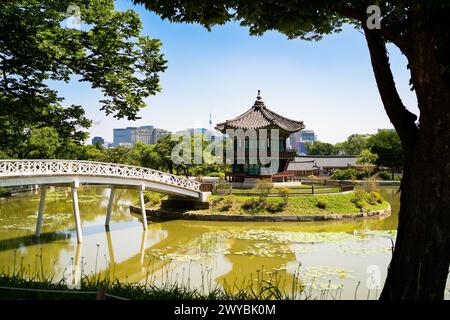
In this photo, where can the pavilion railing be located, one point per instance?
(21, 168)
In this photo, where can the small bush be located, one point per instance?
(322, 204)
(228, 203)
(360, 205)
(370, 184)
(359, 195)
(152, 199)
(223, 187)
(274, 207)
(344, 174)
(284, 193)
(216, 175)
(264, 186)
(215, 202)
(254, 205)
(384, 175)
(375, 197)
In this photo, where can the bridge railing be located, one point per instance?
(19, 168)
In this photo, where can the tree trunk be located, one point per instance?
(420, 262)
(421, 257)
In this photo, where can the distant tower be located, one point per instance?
(210, 120)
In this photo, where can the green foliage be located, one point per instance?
(375, 197)
(386, 144)
(254, 205)
(370, 184)
(153, 199)
(223, 204)
(349, 174)
(284, 193)
(359, 195)
(3, 192)
(320, 148)
(322, 203)
(263, 186)
(37, 48)
(353, 145)
(362, 199)
(42, 143)
(217, 175)
(274, 207)
(344, 174)
(366, 157)
(222, 187)
(384, 175)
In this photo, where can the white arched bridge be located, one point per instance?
(74, 173)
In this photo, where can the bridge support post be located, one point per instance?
(76, 211)
(110, 206)
(143, 212)
(41, 212)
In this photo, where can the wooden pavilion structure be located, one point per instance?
(256, 118)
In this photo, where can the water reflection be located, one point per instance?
(194, 252)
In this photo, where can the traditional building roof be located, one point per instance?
(328, 161)
(259, 117)
(302, 166)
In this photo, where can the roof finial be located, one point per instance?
(259, 95)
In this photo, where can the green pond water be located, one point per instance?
(352, 255)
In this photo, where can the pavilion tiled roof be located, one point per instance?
(259, 117)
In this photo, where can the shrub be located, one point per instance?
(152, 199)
(217, 175)
(360, 205)
(344, 174)
(322, 203)
(284, 193)
(264, 186)
(228, 203)
(254, 205)
(370, 184)
(274, 207)
(223, 187)
(215, 202)
(4, 192)
(375, 197)
(384, 175)
(359, 195)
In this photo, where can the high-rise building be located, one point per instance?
(130, 135)
(158, 134)
(98, 141)
(122, 136)
(298, 140)
(142, 134)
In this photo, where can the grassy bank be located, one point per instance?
(19, 286)
(355, 202)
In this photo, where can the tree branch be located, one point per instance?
(402, 119)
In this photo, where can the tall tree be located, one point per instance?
(38, 46)
(354, 144)
(320, 148)
(421, 30)
(387, 146)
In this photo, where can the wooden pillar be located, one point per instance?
(41, 211)
(76, 211)
(110, 206)
(143, 212)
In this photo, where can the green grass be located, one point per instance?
(21, 284)
(302, 205)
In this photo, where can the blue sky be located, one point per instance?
(328, 84)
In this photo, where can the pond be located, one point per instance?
(344, 259)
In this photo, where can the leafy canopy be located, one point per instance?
(37, 48)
